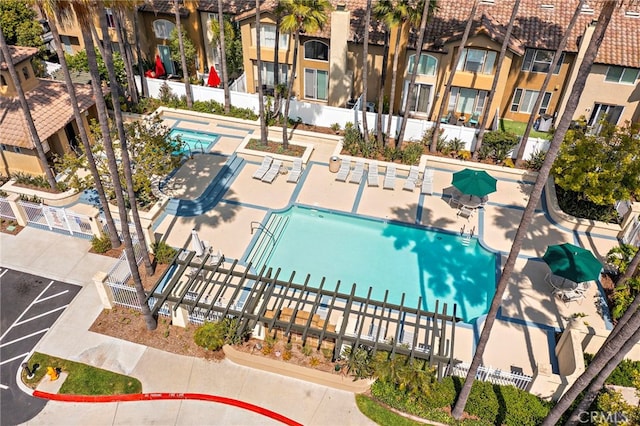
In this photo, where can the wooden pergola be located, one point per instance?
(210, 289)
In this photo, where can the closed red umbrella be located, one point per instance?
(214, 78)
(159, 67)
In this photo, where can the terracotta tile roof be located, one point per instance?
(164, 7)
(19, 54)
(543, 28)
(230, 7)
(50, 108)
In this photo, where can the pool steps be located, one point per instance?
(211, 195)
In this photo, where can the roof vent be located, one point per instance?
(632, 14)
(586, 9)
(487, 2)
(547, 6)
(341, 7)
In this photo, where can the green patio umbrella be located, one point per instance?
(474, 182)
(572, 262)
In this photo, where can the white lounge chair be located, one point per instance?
(296, 171)
(465, 212)
(372, 174)
(344, 170)
(412, 179)
(273, 171)
(264, 167)
(571, 295)
(427, 181)
(356, 175)
(390, 178)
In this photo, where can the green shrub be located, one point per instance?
(623, 373)
(411, 153)
(352, 139)
(456, 145)
(499, 144)
(520, 407)
(163, 252)
(483, 401)
(537, 158)
(101, 244)
(575, 204)
(444, 394)
(210, 335)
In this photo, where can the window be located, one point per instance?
(427, 66)
(524, 100)
(66, 44)
(622, 75)
(316, 50)
(17, 150)
(3, 81)
(162, 28)
(3, 147)
(25, 73)
(419, 99)
(316, 84)
(268, 74)
(111, 23)
(604, 112)
(540, 61)
(477, 61)
(467, 101)
(268, 37)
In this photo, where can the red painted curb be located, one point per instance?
(168, 396)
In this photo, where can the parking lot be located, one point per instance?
(29, 305)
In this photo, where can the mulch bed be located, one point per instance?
(10, 227)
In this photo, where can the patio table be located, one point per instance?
(470, 201)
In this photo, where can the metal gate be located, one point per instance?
(6, 212)
(633, 235)
(57, 218)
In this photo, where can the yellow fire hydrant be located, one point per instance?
(53, 373)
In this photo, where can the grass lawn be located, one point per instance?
(83, 379)
(518, 127)
(381, 415)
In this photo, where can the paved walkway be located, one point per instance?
(158, 371)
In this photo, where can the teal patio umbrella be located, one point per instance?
(572, 262)
(474, 182)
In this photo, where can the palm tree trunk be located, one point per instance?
(124, 150)
(534, 198)
(365, 71)
(447, 88)
(285, 126)
(414, 73)
(144, 89)
(223, 61)
(31, 127)
(84, 137)
(94, 34)
(496, 77)
(276, 65)
(103, 118)
(383, 76)
(594, 388)
(263, 127)
(547, 79)
(125, 50)
(394, 77)
(602, 375)
(185, 70)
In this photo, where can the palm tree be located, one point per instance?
(143, 80)
(395, 17)
(428, 7)
(447, 88)
(84, 12)
(185, 70)
(306, 16)
(223, 60)
(534, 198)
(596, 385)
(31, 127)
(122, 135)
(263, 127)
(365, 71)
(383, 76)
(125, 49)
(496, 78)
(49, 9)
(547, 79)
(278, 10)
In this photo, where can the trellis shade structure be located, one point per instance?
(474, 182)
(572, 262)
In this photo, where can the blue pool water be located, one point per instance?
(386, 256)
(194, 141)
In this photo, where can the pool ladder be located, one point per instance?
(265, 244)
(466, 238)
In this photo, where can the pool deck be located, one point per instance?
(529, 315)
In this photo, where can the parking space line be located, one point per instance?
(14, 358)
(3, 387)
(44, 330)
(4, 272)
(25, 311)
(51, 297)
(41, 315)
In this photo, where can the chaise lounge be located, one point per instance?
(273, 171)
(264, 167)
(390, 178)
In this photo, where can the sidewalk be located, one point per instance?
(66, 258)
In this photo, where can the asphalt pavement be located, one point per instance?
(29, 305)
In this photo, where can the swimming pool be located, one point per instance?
(403, 259)
(194, 141)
